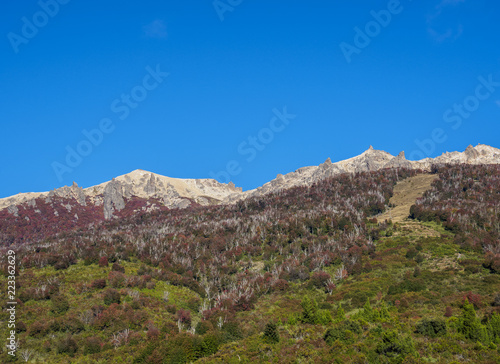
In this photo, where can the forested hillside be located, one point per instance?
(304, 275)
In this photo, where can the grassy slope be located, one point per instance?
(405, 194)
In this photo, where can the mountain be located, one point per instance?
(34, 216)
(142, 191)
(372, 160)
(319, 272)
(154, 189)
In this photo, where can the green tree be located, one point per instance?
(469, 325)
(384, 312)
(369, 313)
(210, 344)
(310, 310)
(431, 327)
(340, 316)
(393, 345)
(494, 326)
(271, 334)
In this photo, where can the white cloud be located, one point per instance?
(156, 29)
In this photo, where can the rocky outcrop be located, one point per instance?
(150, 187)
(73, 192)
(471, 153)
(399, 162)
(113, 198)
(13, 210)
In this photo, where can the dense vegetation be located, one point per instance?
(306, 275)
(466, 200)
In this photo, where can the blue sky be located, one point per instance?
(90, 78)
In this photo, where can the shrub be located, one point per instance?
(61, 265)
(210, 344)
(98, 284)
(345, 332)
(20, 327)
(474, 299)
(335, 334)
(351, 326)
(419, 258)
(67, 345)
(184, 317)
(319, 279)
(411, 253)
(203, 327)
(408, 285)
(170, 329)
(103, 262)
(281, 285)
(194, 304)
(232, 331)
(417, 272)
(393, 345)
(431, 327)
(111, 296)
(38, 329)
(492, 262)
(271, 334)
(153, 333)
(72, 324)
(369, 313)
(92, 346)
(117, 268)
(496, 300)
(324, 317)
(59, 304)
(116, 279)
(448, 312)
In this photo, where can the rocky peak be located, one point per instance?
(471, 153)
(326, 164)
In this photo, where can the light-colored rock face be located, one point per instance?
(371, 160)
(179, 193)
(112, 195)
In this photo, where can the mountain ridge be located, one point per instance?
(161, 191)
